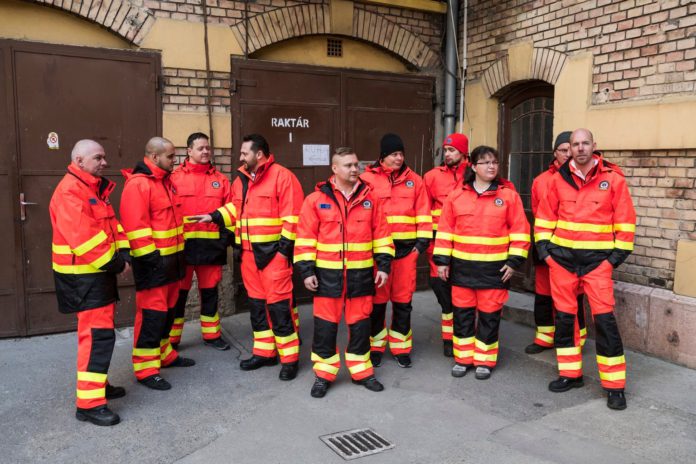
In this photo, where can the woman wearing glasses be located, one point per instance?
(483, 235)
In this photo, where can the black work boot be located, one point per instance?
(533, 348)
(320, 387)
(217, 343)
(448, 348)
(180, 361)
(155, 382)
(563, 384)
(256, 362)
(376, 358)
(403, 360)
(616, 400)
(100, 415)
(371, 383)
(113, 392)
(288, 371)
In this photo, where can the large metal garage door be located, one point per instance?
(303, 110)
(77, 92)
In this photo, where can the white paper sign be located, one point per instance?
(315, 155)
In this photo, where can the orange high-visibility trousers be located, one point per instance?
(208, 275)
(95, 345)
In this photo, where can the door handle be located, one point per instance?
(22, 206)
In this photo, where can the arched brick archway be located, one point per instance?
(312, 19)
(546, 65)
(121, 17)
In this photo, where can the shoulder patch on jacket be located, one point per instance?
(499, 202)
(216, 184)
(92, 201)
(410, 184)
(324, 206)
(604, 185)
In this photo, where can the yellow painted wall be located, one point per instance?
(480, 117)
(312, 51)
(26, 21)
(177, 125)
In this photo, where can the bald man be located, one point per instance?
(88, 251)
(156, 234)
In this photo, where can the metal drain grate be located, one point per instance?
(357, 443)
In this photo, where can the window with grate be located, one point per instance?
(334, 47)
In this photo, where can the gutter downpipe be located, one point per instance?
(451, 66)
(462, 81)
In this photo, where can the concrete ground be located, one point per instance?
(216, 413)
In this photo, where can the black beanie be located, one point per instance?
(389, 144)
(563, 137)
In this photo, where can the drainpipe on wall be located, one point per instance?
(462, 81)
(451, 70)
(209, 102)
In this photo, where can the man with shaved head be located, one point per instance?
(156, 234)
(584, 229)
(88, 251)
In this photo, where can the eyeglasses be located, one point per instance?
(488, 163)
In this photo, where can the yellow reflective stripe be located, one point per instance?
(61, 249)
(613, 361)
(146, 365)
(445, 236)
(399, 336)
(542, 236)
(570, 351)
(378, 343)
(329, 247)
(403, 235)
(620, 244)
(122, 244)
(357, 357)
(166, 351)
(479, 256)
(401, 219)
(546, 329)
(584, 227)
(462, 341)
(91, 394)
(518, 252)
(175, 333)
(119, 228)
(201, 234)
(287, 339)
(447, 329)
(105, 258)
(462, 353)
(447, 316)
(308, 242)
(485, 357)
(91, 377)
(544, 338)
(442, 251)
(209, 319)
(332, 360)
(227, 219)
(356, 246)
(290, 219)
(146, 352)
(230, 228)
(263, 334)
(167, 233)
(360, 264)
(582, 244)
(380, 242)
(263, 222)
(320, 366)
(210, 330)
(140, 233)
(570, 366)
(482, 346)
(172, 249)
(435, 212)
(624, 227)
(326, 264)
(287, 234)
(420, 219)
(137, 252)
(264, 345)
(520, 238)
(261, 238)
(406, 344)
(424, 234)
(288, 350)
(382, 334)
(354, 369)
(621, 375)
(90, 244)
(538, 222)
(386, 250)
(75, 269)
(468, 239)
(304, 257)
(434, 225)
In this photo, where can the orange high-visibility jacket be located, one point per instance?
(478, 234)
(201, 187)
(406, 204)
(541, 185)
(266, 207)
(580, 224)
(439, 183)
(153, 225)
(89, 247)
(341, 240)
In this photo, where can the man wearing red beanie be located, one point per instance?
(439, 183)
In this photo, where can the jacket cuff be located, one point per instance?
(116, 265)
(442, 260)
(542, 249)
(514, 261)
(422, 244)
(383, 261)
(617, 257)
(217, 218)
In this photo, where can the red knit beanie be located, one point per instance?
(458, 141)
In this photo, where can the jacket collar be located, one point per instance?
(261, 169)
(188, 167)
(99, 185)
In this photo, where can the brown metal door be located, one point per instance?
(334, 107)
(106, 95)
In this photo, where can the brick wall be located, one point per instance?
(662, 186)
(642, 48)
(187, 90)
(429, 27)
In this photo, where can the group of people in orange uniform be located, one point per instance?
(354, 241)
